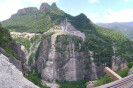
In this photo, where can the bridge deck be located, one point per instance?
(126, 82)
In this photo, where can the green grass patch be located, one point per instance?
(77, 84)
(7, 43)
(35, 38)
(25, 42)
(58, 49)
(30, 61)
(35, 78)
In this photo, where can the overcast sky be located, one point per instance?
(104, 11)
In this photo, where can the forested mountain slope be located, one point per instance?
(70, 58)
(123, 27)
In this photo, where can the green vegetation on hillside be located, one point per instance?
(98, 39)
(30, 60)
(35, 38)
(35, 78)
(7, 43)
(121, 42)
(40, 21)
(66, 40)
(78, 84)
(102, 40)
(129, 33)
(106, 79)
(48, 35)
(25, 42)
(123, 27)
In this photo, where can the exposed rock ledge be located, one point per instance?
(24, 11)
(130, 71)
(11, 77)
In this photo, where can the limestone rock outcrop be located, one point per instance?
(27, 10)
(11, 77)
(13, 60)
(21, 57)
(54, 6)
(67, 63)
(11, 49)
(118, 64)
(62, 58)
(130, 71)
(45, 6)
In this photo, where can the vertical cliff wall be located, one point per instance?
(11, 49)
(66, 61)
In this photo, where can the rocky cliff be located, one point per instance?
(11, 77)
(44, 6)
(54, 6)
(75, 48)
(70, 62)
(130, 71)
(47, 7)
(26, 10)
(11, 49)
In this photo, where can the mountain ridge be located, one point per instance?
(33, 20)
(101, 47)
(123, 27)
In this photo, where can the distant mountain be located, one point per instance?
(123, 27)
(33, 20)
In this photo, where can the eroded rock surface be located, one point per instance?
(54, 6)
(45, 6)
(118, 63)
(11, 77)
(27, 10)
(130, 71)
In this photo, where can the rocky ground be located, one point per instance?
(11, 77)
(23, 34)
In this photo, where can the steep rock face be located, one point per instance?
(11, 49)
(69, 26)
(70, 30)
(21, 57)
(65, 60)
(130, 71)
(27, 10)
(45, 6)
(43, 53)
(11, 77)
(70, 63)
(24, 49)
(13, 60)
(54, 6)
(118, 64)
(17, 48)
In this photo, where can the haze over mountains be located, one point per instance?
(62, 48)
(123, 27)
